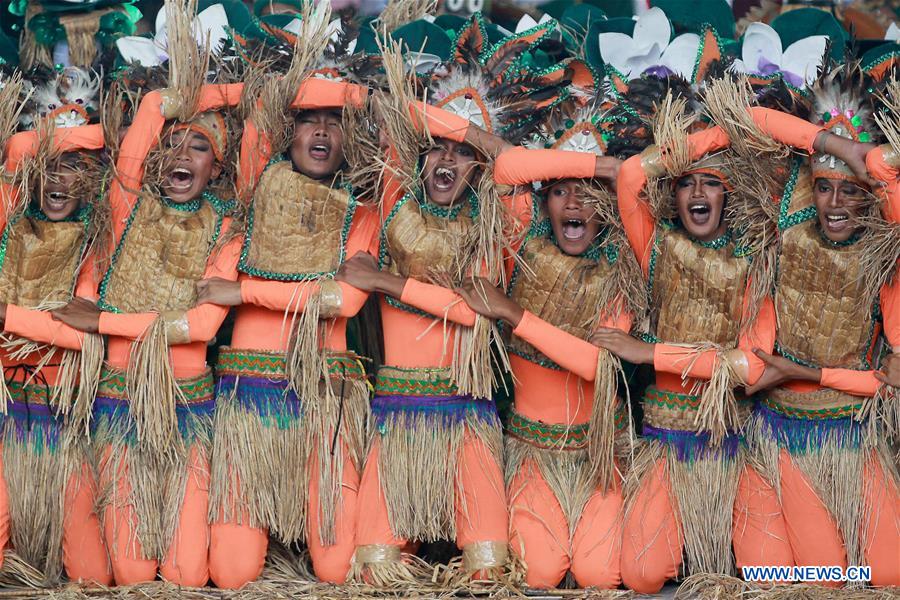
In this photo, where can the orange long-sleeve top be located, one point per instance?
(18, 148)
(261, 322)
(188, 359)
(670, 361)
(412, 340)
(851, 381)
(563, 396)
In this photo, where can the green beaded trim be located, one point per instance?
(221, 208)
(846, 243)
(269, 365)
(707, 27)
(671, 400)
(248, 236)
(893, 54)
(438, 211)
(550, 436)
(785, 220)
(190, 206)
(31, 393)
(838, 412)
(113, 384)
(415, 385)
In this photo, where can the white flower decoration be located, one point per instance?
(762, 54)
(71, 118)
(527, 22)
(893, 33)
(209, 24)
(649, 47)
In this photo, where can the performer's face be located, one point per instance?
(59, 199)
(449, 171)
(837, 203)
(194, 166)
(700, 200)
(317, 149)
(575, 224)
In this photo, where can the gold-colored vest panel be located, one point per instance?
(424, 246)
(697, 292)
(297, 223)
(822, 314)
(566, 291)
(42, 261)
(163, 256)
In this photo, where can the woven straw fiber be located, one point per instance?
(161, 258)
(42, 261)
(698, 292)
(297, 223)
(820, 299)
(422, 245)
(566, 291)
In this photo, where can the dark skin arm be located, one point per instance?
(490, 301)
(624, 346)
(852, 153)
(361, 271)
(2, 314)
(79, 314)
(608, 169)
(219, 291)
(780, 370)
(890, 371)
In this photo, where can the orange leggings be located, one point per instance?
(238, 552)
(187, 560)
(481, 514)
(540, 534)
(652, 542)
(813, 533)
(84, 553)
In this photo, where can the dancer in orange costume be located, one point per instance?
(53, 219)
(290, 439)
(818, 429)
(154, 465)
(434, 421)
(672, 511)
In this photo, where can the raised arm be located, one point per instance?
(883, 164)
(522, 166)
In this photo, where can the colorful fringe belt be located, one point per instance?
(555, 436)
(31, 417)
(804, 430)
(259, 381)
(199, 401)
(429, 393)
(669, 419)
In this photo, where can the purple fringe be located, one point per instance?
(692, 445)
(801, 436)
(446, 410)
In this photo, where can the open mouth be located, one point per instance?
(444, 179)
(320, 151)
(56, 200)
(574, 229)
(837, 222)
(180, 180)
(700, 212)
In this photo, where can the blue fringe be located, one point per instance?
(690, 446)
(270, 399)
(803, 436)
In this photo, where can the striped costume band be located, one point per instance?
(271, 365)
(555, 436)
(664, 409)
(426, 392)
(807, 431)
(199, 400)
(259, 382)
(29, 412)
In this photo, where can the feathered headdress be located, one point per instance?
(495, 87)
(68, 98)
(840, 106)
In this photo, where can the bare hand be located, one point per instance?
(79, 314)
(890, 371)
(361, 271)
(489, 301)
(780, 370)
(624, 346)
(852, 153)
(607, 168)
(219, 291)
